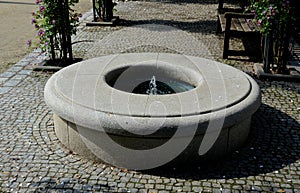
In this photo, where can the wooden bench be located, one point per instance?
(233, 22)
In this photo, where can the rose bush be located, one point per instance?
(269, 11)
(274, 18)
(55, 22)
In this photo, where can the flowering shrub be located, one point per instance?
(268, 11)
(54, 22)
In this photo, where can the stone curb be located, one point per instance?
(258, 68)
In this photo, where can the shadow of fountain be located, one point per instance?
(71, 185)
(273, 143)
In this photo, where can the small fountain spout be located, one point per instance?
(152, 86)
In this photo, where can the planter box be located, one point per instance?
(294, 75)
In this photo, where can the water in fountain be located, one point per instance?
(152, 86)
(156, 87)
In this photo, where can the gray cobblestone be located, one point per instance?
(4, 90)
(148, 186)
(33, 160)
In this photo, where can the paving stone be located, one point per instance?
(7, 74)
(24, 72)
(149, 186)
(4, 90)
(12, 83)
(15, 69)
(2, 80)
(19, 77)
(32, 159)
(159, 186)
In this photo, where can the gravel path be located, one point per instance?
(16, 29)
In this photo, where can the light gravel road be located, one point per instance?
(16, 28)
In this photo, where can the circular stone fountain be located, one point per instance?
(102, 110)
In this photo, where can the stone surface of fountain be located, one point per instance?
(97, 114)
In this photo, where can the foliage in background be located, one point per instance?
(55, 21)
(274, 19)
(268, 11)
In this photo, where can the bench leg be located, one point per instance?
(218, 26)
(226, 45)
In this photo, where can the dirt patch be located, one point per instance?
(16, 29)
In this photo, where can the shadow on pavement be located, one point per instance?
(201, 26)
(273, 143)
(187, 1)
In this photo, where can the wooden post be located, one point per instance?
(108, 10)
(266, 53)
(226, 37)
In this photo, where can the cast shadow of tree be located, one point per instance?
(251, 45)
(200, 26)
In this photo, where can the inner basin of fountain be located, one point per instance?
(145, 110)
(137, 80)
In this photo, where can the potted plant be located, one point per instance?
(103, 13)
(273, 18)
(55, 21)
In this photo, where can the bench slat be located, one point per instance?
(253, 26)
(245, 25)
(236, 25)
(222, 21)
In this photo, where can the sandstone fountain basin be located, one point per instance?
(99, 114)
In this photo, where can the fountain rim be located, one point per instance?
(68, 113)
(84, 117)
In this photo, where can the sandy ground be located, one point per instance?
(16, 28)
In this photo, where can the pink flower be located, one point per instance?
(273, 12)
(76, 18)
(33, 21)
(28, 42)
(259, 22)
(42, 8)
(53, 21)
(41, 32)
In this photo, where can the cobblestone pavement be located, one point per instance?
(33, 160)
